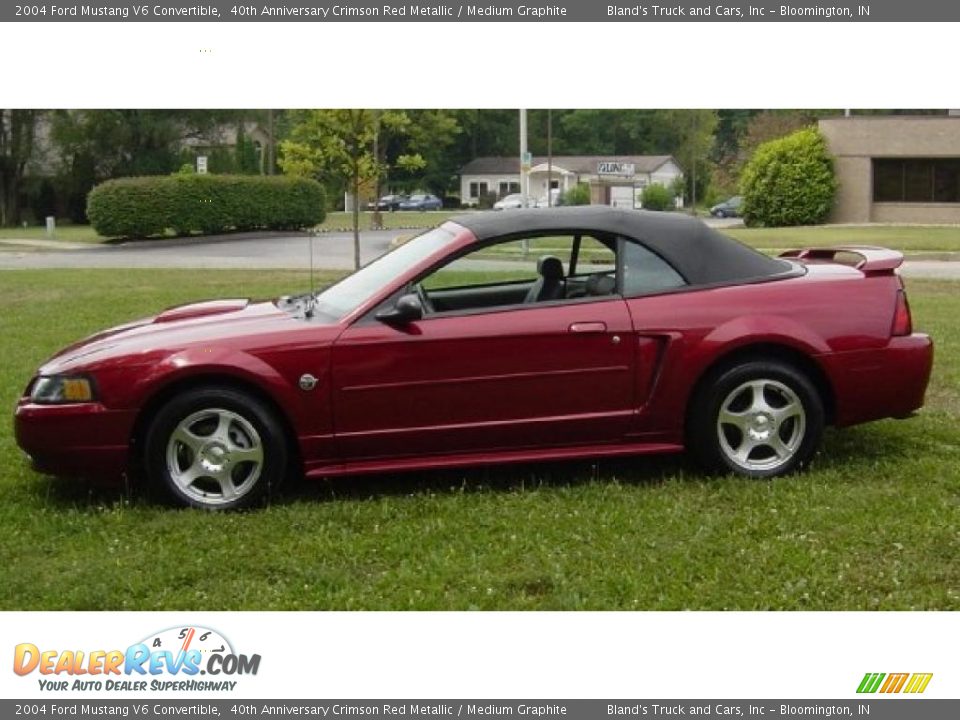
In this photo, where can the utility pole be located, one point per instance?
(377, 221)
(549, 158)
(271, 144)
(524, 159)
(693, 166)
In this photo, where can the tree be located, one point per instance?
(789, 181)
(692, 138)
(741, 132)
(97, 145)
(17, 135)
(339, 144)
(431, 135)
(688, 135)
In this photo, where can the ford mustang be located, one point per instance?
(533, 335)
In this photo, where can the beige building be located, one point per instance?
(896, 169)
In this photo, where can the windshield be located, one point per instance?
(354, 290)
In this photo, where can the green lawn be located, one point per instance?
(905, 238)
(72, 233)
(874, 525)
(400, 219)
(334, 221)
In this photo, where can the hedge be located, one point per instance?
(789, 181)
(577, 195)
(658, 197)
(142, 206)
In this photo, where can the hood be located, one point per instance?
(237, 323)
(201, 309)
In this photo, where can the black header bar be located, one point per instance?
(501, 11)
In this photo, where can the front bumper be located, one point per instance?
(75, 440)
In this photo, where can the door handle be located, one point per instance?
(588, 327)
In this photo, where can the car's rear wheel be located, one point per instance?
(762, 418)
(215, 448)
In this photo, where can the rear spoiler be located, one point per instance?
(872, 260)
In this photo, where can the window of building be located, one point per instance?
(477, 189)
(505, 188)
(916, 180)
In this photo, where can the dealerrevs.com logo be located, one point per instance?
(177, 659)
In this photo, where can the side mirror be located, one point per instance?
(407, 309)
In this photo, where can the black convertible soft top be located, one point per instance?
(701, 254)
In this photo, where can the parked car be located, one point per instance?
(422, 202)
(728, 208)
(387, 202)
(619, 332)
(510, 202)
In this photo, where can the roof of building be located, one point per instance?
(701, 254)
(582, 164)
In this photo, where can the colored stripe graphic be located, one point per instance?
(918, 683)
(894, 682)
(870, 682)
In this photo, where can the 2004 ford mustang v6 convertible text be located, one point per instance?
(540, 334)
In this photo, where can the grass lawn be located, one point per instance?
(334, 221)
(873, 525)
(905, 238)
(400, 219)
(72, 233)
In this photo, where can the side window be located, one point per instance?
(507, 262)
(646, 272)
(524, 271)
(595, 257)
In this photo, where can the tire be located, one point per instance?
(215, 448)
(762, 419)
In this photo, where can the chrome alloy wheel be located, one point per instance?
(761, 425)
(214, 456)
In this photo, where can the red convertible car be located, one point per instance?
(534, 335)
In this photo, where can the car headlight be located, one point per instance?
(61, 389)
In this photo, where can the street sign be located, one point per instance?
(201, 164)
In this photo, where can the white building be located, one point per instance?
(613, 180)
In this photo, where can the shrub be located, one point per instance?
(577, 195)
(657, 197)
(486, 200)
(789, 181)
(188, 203)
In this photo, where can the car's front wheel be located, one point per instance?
(762, 418)
(215, 448)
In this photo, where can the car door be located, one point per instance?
(526, 377)
(499, 361)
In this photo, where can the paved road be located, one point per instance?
(331, 250)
